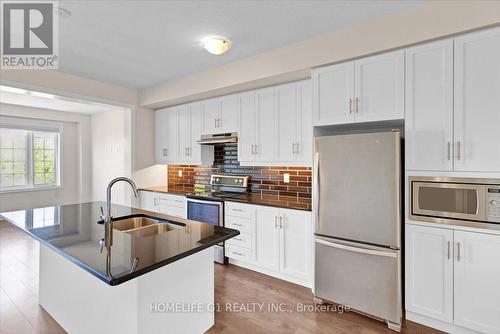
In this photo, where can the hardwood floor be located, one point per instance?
(235, 287)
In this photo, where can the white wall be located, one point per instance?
(75, 163)
(111, 154)
(433, 19)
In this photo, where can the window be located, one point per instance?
(29, 157)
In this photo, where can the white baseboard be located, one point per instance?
(278, 275)
(438, 324)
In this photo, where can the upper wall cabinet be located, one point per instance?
(276, 126)
(177, 131)
(166, 132)
(365, 90)
(477, 101)
(453, 104)
(220, 115)
(429, 106)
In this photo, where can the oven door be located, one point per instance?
(208, 212)
(449, 200)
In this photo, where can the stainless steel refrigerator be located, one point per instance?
(358, 223)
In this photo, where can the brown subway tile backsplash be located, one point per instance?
(263, 180)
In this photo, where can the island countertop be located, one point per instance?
(74, 231)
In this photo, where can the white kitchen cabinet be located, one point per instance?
(379, 87)
(333, 94)
(276, 126)
(220, 115)
(304, 134)
(477, 277)
(210, 115)
(149, 201)
(166, 132)
(229, 110)
(266, 238)
(429, 107)
(429, 271)
(168, 204)
(247, 137)
(452, 276)
(365, 90)
(189, 151)
(477, 101)
(265, 147)
(286, 114)
(295, 240)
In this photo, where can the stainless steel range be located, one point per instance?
(207, 204)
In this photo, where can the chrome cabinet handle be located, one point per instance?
(237, 210)
(281, 222)
(239, 225)
(256, 148)
(189, 151)
(459, 148)
(449, 250)
(239, 239)
(236, 253)
(350, 105)
(449, 150)
(252, 150)
(297, 150)
(165, 152)
(219, 122)
(293, 148)
(357, 104)
(458, 251)
(155, 201)
(134, 265)
(275, 221)
(101, 245)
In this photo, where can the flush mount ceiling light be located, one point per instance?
(216, 45)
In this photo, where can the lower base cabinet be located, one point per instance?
(280, 241)
(453, 276)
(167, 204)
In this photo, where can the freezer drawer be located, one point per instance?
(365, 278)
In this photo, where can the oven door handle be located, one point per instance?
(203, 201)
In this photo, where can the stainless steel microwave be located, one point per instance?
(437, 198)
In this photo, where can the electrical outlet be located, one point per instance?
(286, 178)
(179, 173)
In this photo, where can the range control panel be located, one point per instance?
(493, 203)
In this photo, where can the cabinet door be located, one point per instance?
(161, 136)
(172, 134)
(295, 244)
(304, 139)
(429, 107)
(429, 271)
(194, 150)
(286, 111)
(477, 101)
(266, 125)
(247, 134)
(266, 238)
(333, 94)
(184, 134)
(477, 277)
(228, 121)
(379, 87)
(210, 113)
(149, 201)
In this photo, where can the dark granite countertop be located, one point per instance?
(287, 202)
(74, 232)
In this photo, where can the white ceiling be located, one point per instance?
(29, 98)
(142, 43)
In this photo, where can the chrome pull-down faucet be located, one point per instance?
(107, 218)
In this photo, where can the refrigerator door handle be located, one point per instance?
(316, 190)
(355, 249)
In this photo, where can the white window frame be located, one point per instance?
(36, 125)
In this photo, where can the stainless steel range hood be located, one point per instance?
(222, 138)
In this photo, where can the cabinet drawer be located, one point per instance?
(238, 253)
(243, 240)
(172, 200)
(240, 224)
(172, 211)
(238, 210)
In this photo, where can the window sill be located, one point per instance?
(30, 189)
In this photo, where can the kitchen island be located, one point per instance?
(157, 277)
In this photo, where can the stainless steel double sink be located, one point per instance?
(142, 225)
